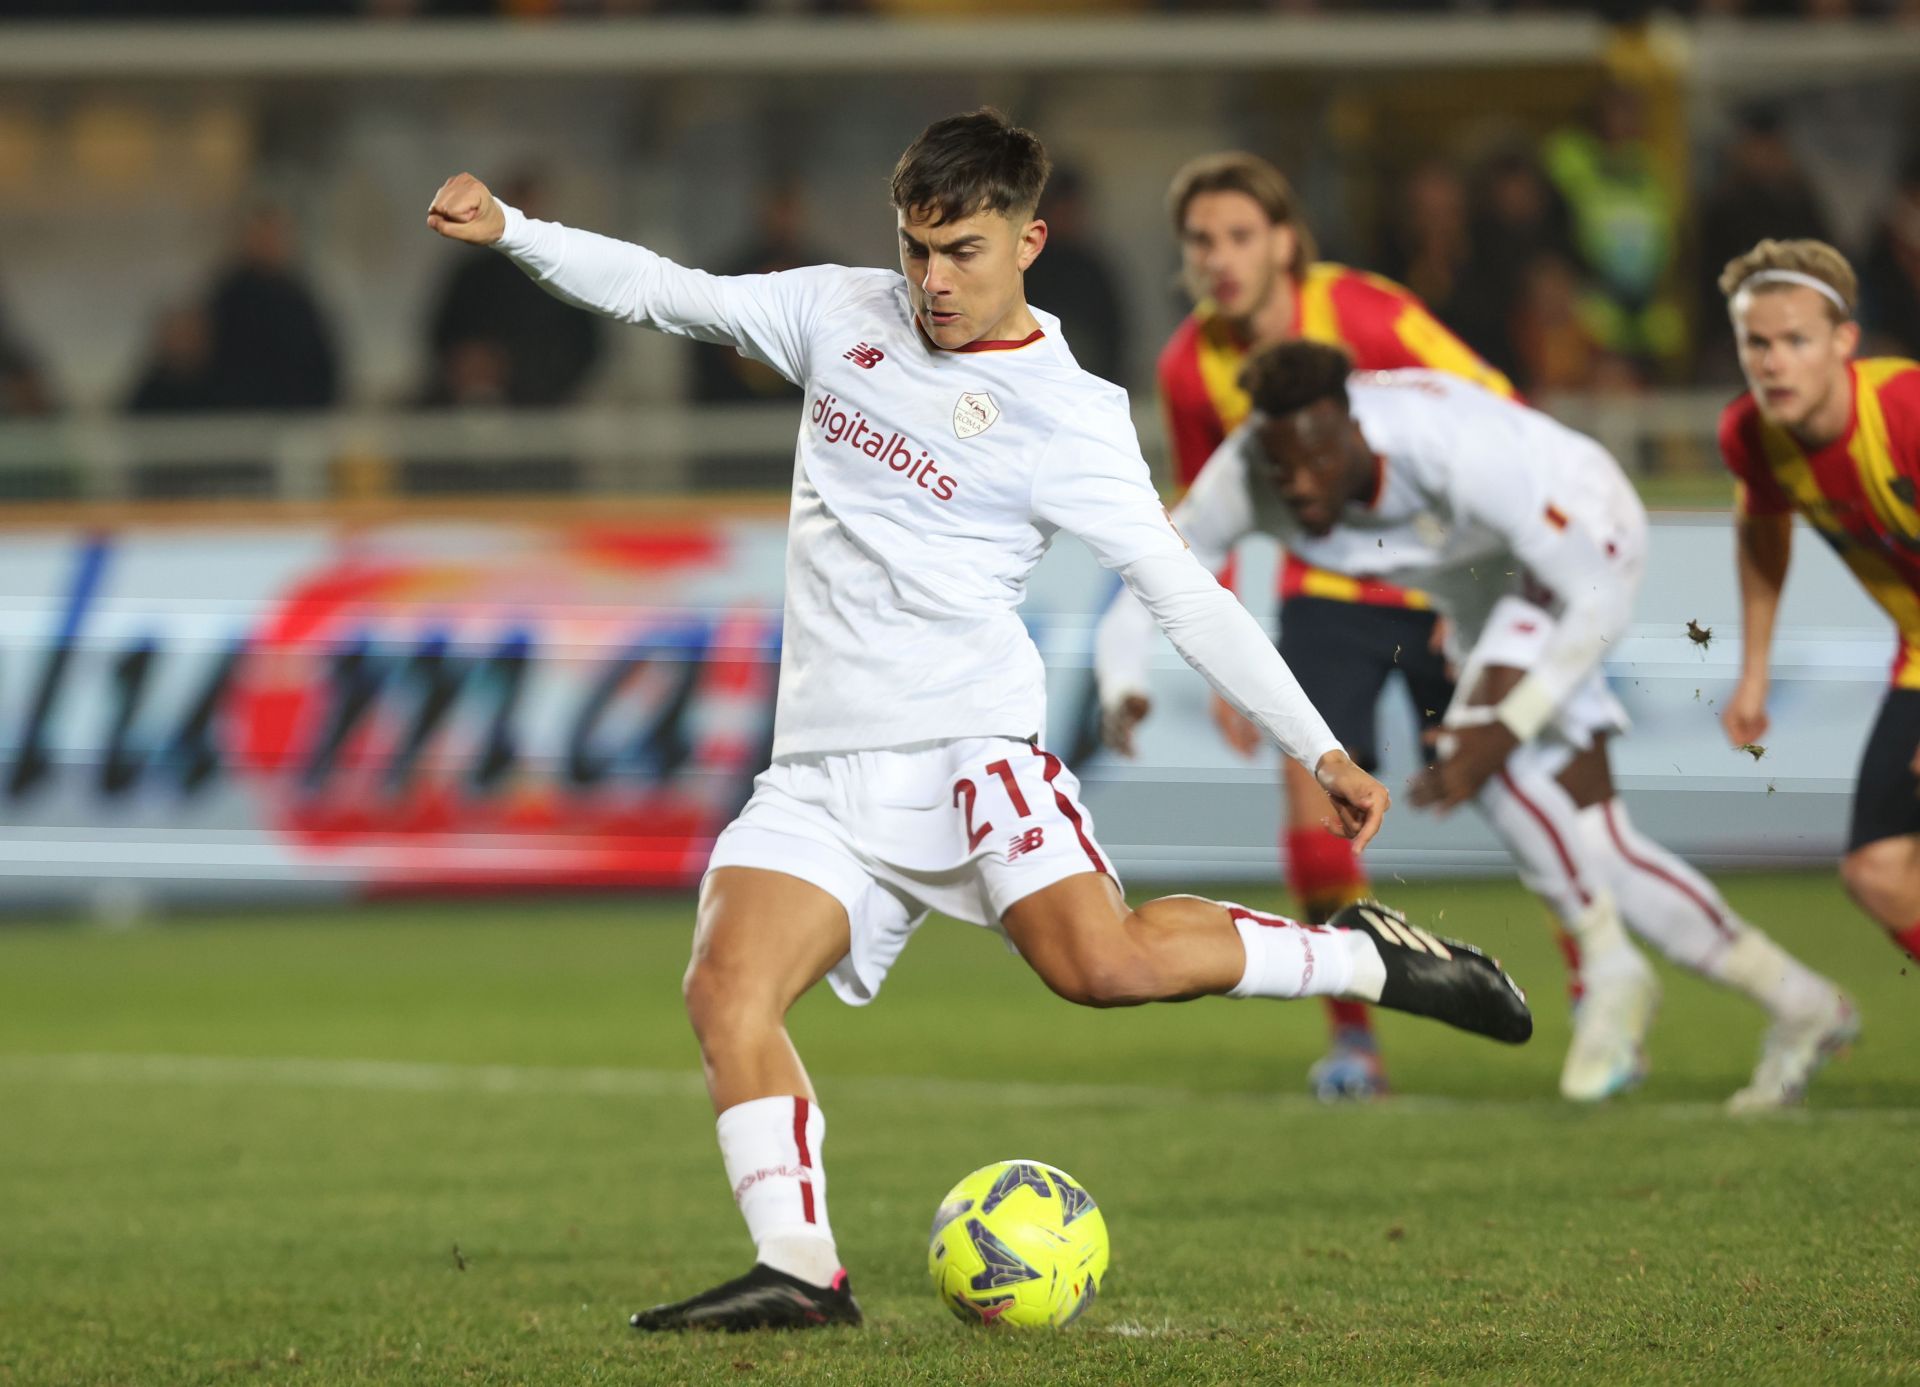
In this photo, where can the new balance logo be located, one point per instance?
(1397, 930)
(865, 357)
(1032, 839)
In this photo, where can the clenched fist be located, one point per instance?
(1360, 801)
(463, 210)
(1745, 716)
(1117, 723)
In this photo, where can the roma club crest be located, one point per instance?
(974, 414)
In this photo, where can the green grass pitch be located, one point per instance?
(457, 1143)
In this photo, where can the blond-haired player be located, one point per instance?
(1837, 440)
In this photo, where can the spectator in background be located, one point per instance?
(720, 374)
(1518, 220)
(1428, 249)
(24, 392)
(1074, 279)
(1890, 274)
(177, 377)
(1763, 192)
(1554, 345)
(1625, 229)
(500, 339)
(270, 346)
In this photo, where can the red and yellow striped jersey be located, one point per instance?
(1381, 325)
(1858, 491)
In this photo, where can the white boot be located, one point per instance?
(1796, 1047)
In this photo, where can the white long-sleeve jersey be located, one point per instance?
(926, 486)
(1477, 496)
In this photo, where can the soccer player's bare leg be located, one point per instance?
(762, 939)
(1085, 944)
(1080, 936)
(1326, 874)
(1883, 877)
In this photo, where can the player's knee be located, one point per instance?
(722, 999)
(1876, 873)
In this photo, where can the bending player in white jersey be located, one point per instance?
(948, 436)
(1423, 479)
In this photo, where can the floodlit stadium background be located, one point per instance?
(337, 560)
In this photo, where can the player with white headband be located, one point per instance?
(1837, 440)
(1423, 479)
(949, 435)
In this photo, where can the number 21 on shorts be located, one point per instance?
(965, 794)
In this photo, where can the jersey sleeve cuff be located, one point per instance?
(1312, 756)
(514, 237)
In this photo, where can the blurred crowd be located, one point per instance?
(1566, 260)
(1572, 266)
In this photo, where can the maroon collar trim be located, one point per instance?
(1003, 346)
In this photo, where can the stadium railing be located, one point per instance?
(582, 452)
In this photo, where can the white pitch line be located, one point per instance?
(555, 1080)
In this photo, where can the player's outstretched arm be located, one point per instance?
(1763, 545)
(766, 317)
(1213, 518)
(1221, 640)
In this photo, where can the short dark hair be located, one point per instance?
(977, 162)
(1235, 171)
(1286, 378)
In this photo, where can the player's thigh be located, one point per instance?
(1071, 932)
(762, 938)
(1886, 796)
(1490, 683)
(1588, 775)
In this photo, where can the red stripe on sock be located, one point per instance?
(1054, 767)
(1240, 912)
(1640, 864)
(806, 1159)
(1570, 951)
(1539, 817)
(1909, 939)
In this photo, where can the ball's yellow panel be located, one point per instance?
(1018, 1243)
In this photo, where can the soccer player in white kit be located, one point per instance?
(948, 436)
(1533, 542)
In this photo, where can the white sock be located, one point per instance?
(1681, 913)
(1287, 959)
(1605, 949)
(1781, 983)
(771, 1147)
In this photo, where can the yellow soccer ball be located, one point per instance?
(1018, 1243)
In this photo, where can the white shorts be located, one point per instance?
(964, 827)
(1515, 633)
